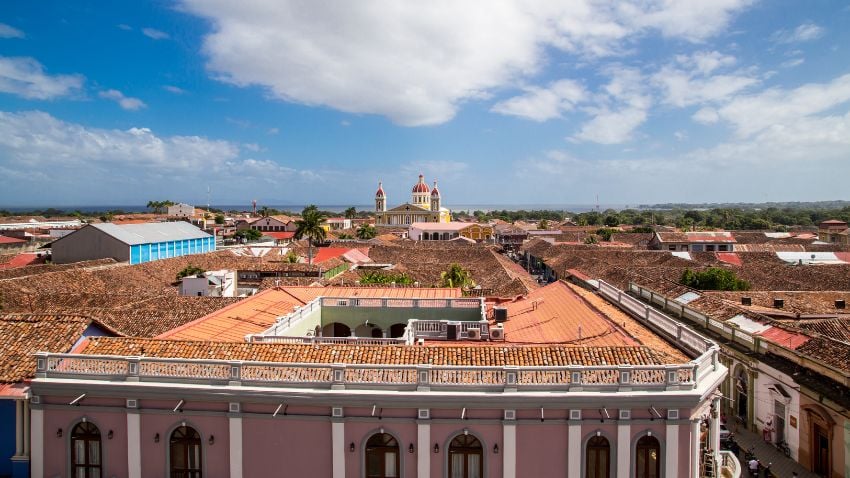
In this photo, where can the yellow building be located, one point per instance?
(424, 206)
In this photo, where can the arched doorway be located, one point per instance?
(598, 458)
(397, 330)
(85, 451)
(368, 330)
(335, 329)
(742, 390)
(185, 453)
(382, 456)
(466, 457)
(648, 458)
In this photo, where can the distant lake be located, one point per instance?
(337, 208)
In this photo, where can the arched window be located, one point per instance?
(85, 451)
(465, 457)
(397, 330)
(382, 456)
(185, 452)
(648, 458)
(598, 458)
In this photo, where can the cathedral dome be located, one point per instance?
(421, 187)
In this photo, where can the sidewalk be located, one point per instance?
(781, 467)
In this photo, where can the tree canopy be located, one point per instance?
(310, 226)
(714, 278)
(456, 276)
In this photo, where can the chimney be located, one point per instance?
(746, 301)
(840, 304)
(778, 303)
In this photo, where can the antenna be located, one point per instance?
(208, 198)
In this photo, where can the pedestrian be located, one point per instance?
(753, 465)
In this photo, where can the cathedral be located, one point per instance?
(424, 206)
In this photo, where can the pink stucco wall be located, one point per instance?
(57, 459)
(287, 446)
(541, 450)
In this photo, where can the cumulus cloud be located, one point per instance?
(691, 81)
(541, 104)
(620, 107)
(774, 107)
(174, 89)
(154, 33)
(126, 102)
(24, 76)
(806, 32)
(74, 154)
(8, 31)
(415, 62)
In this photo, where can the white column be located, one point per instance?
(338, 444)
(509, 450)
(37, 436)
(236, 447)
(715, 427)
(574, 450)
(134, 445)
(671, 459)
(27, 428)
(694, 448)
(423, 449)
(19, 427)
(624, 449)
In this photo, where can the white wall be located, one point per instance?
(764, 404)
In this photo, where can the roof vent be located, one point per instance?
(746, 301)
(840, 304)
(778, 303)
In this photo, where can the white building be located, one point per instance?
(181, 210)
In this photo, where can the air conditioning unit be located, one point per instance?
(473, 334)
(497, 333)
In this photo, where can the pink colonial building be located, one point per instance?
(466, 391)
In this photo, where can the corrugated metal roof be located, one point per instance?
(152, 232)
(687, 297)
(810, 257)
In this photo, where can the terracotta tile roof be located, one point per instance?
(794, 302)
(25, 334)
(232, 323)
(22, 260)
(280, 235)
(556, 314)
(723, 236)
(838, 329)
(11, 240)
(424, 261)
(325, 253)
(552, 355)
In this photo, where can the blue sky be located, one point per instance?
(514, 102)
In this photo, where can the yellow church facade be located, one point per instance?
(424, 206)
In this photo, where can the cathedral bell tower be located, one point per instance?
(380, 199)
(435, 198)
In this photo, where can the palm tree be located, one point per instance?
(366, 231)
(310, 226)
(350, 213)
(456, 276)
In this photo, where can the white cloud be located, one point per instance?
(253, 147)
(124, 26)
(691, 82)
(37, 141)
(174, 89)
(126, 102)
(415, 62)
(25, 77)
(542, 104)
(621, 107)
(273, 131)
(8, 31)
(806, 32)
(783, 107)
(154, 33)
(345, 123)
(793, 62)
(706, 115)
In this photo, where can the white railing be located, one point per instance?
(730, 467)
(438, 329)
(363, 376)
(383, 302)
(284, 339)
(285, 322)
